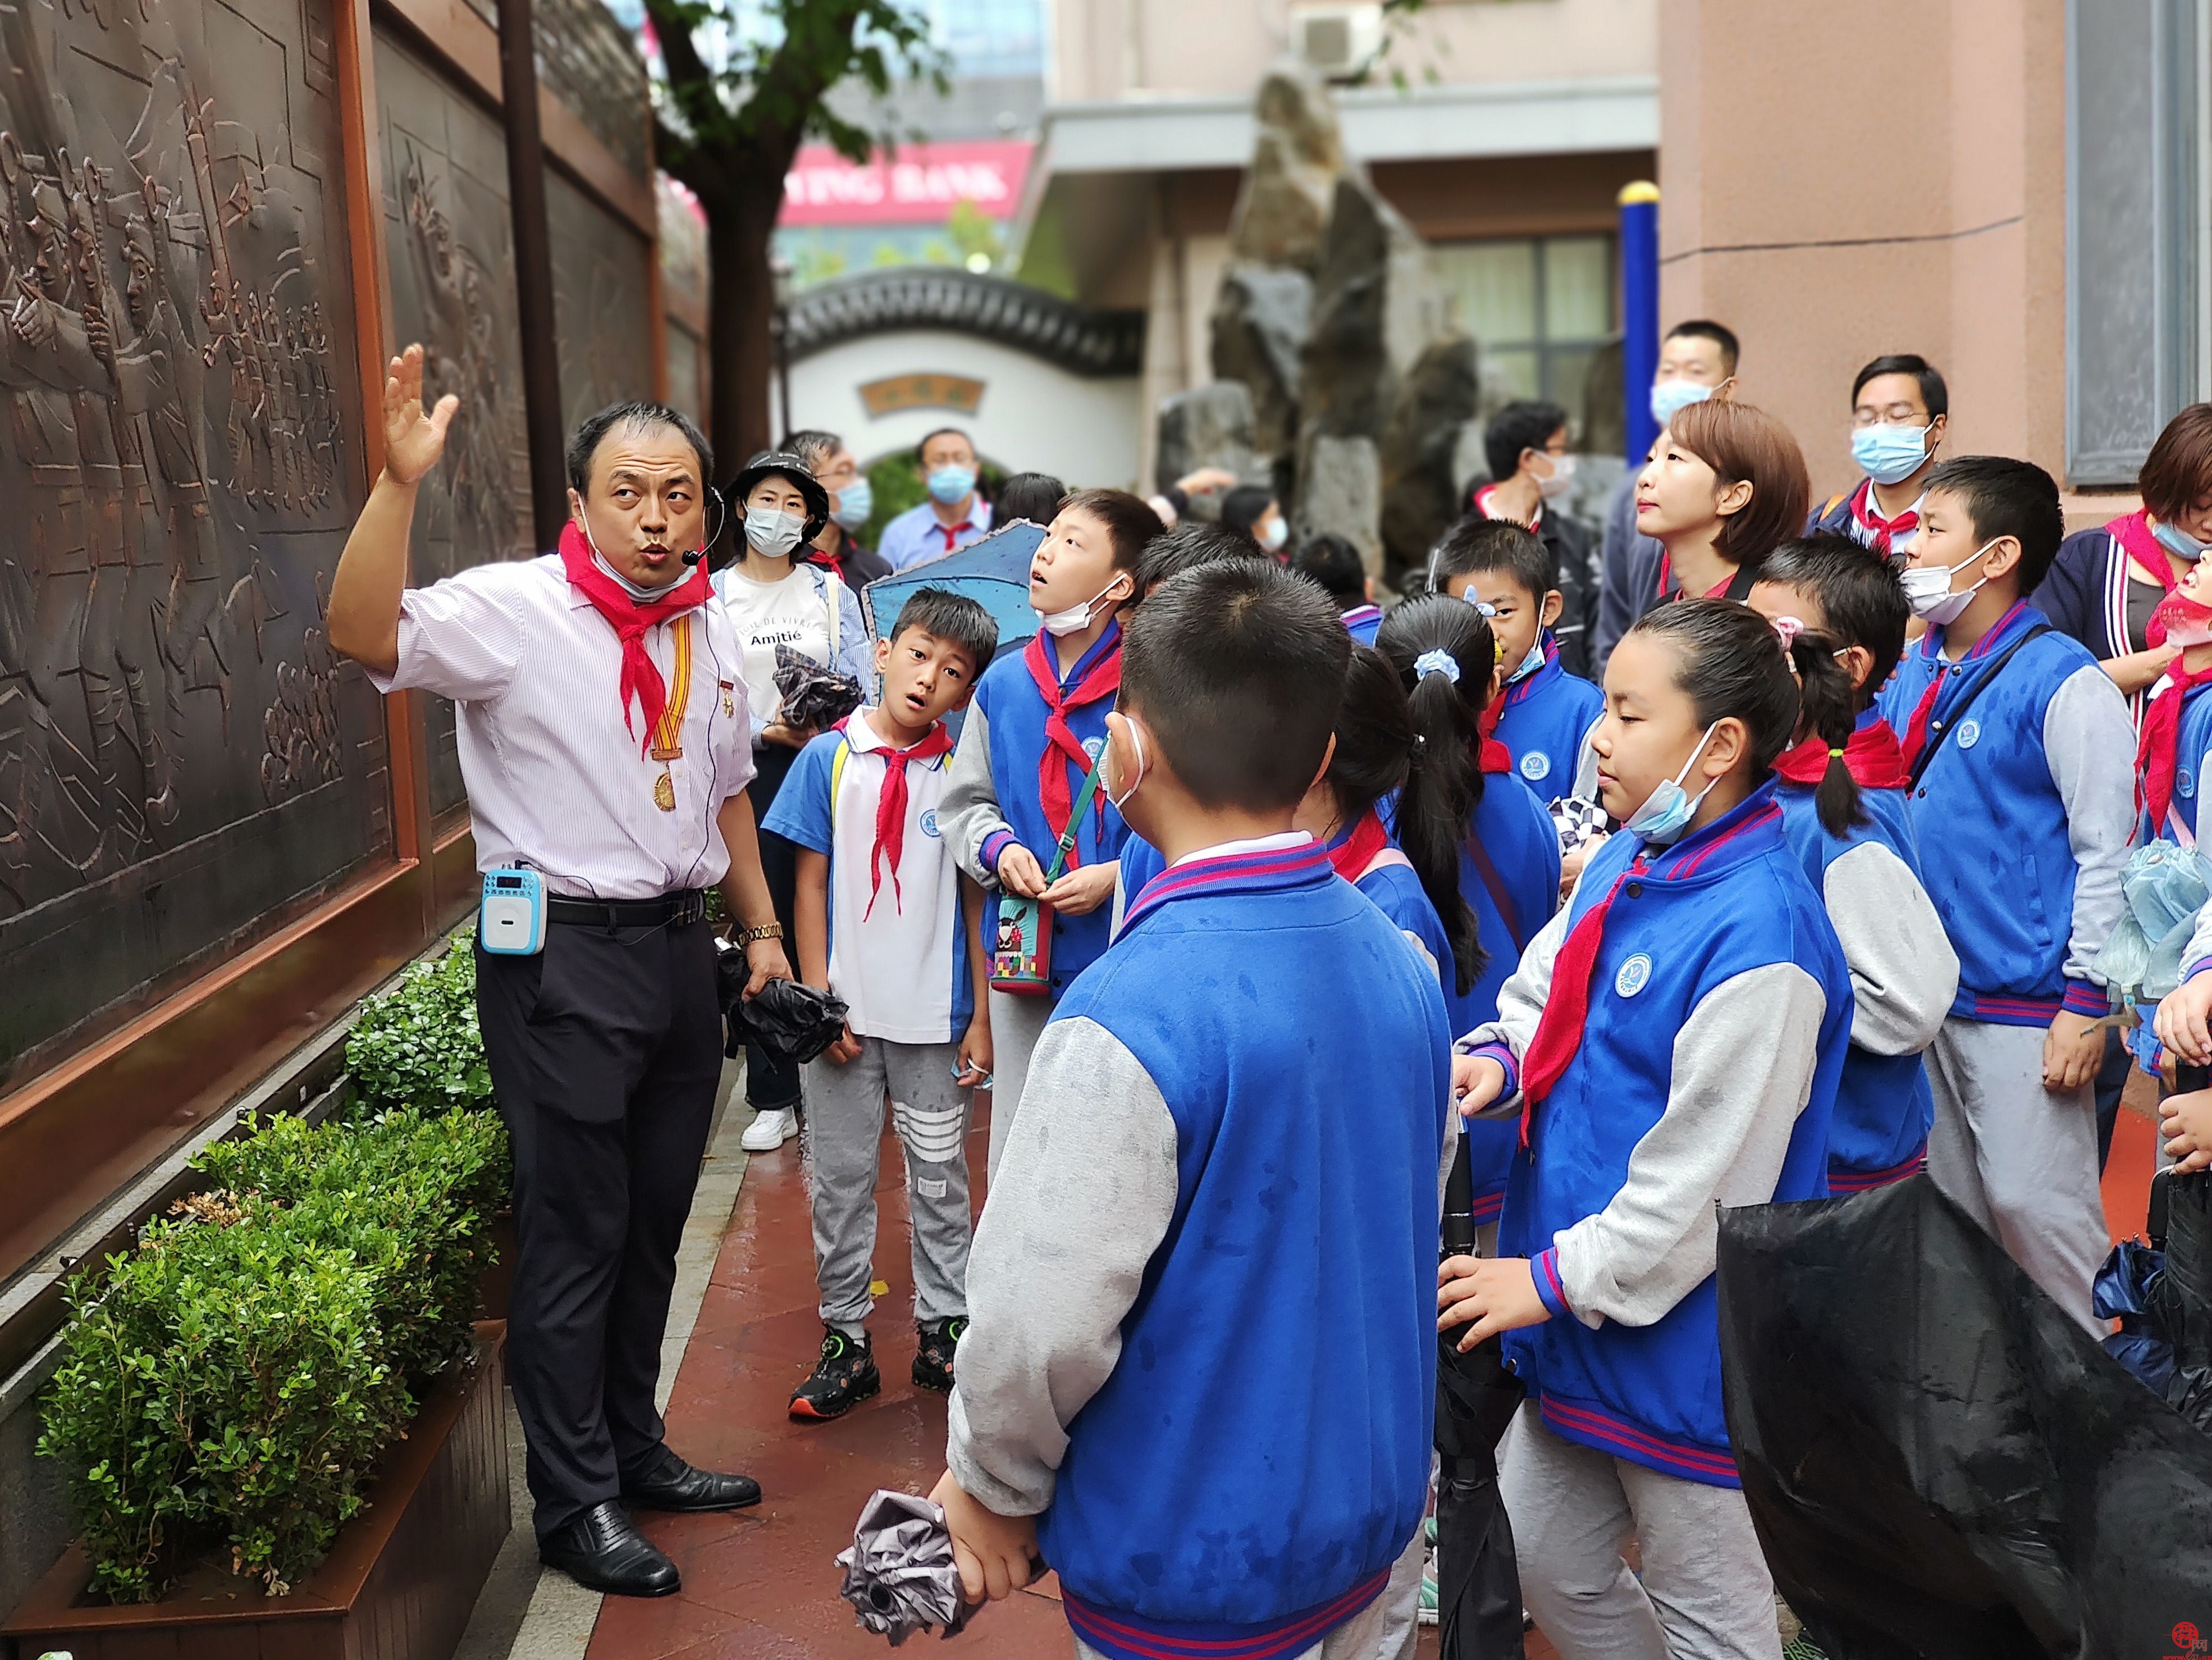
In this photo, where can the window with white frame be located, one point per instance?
(1539, 308)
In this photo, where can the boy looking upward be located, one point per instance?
(1181, 1156)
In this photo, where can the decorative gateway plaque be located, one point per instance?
(181, 757)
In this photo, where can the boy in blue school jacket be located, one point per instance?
(1218, 1123)
(2022, 802)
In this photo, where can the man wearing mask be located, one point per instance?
(852, 500)
(1695, 359)
(605, 746)
(1526, 446)
(1900, 408)
(952, 517)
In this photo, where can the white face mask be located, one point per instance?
(1075, 619)
(774, 533)
(1562, 475)
(1137, 741)
(1275, 535)
(1927, 589)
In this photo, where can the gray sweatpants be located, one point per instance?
(1705, 1593)
(1016, 1022)
(1386, 1629)
(2019, 1159)
(845, 1122)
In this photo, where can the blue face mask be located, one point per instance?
(1662, 818)
(2179, 542)
(856, 502)
(1670, 398)
(1888, 454)
(1529, 663)
(951, 484)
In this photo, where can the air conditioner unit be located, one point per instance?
(1337, 41)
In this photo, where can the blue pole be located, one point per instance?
(1639, 311)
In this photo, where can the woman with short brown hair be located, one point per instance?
(1726, 485)
(2106, 582)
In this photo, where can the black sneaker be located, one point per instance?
(933, 1361)
(844, 1376)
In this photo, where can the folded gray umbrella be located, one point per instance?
(899, 1575)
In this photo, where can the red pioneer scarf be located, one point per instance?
(630, 619)
(1873, 757)
(1490, 755)
(1559, 1029)
(2132, 531)
(1353, 855)
(1063, 749)
(2155, 752)
(1882, 533)
(890, 810)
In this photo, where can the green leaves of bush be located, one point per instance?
(227, 1388)
(417, 1044)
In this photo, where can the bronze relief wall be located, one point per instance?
(181, 757)
(602, 302)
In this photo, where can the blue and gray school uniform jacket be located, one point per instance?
(1363, 623)
(1547, 714)
(2023, 816)
(990, 796)
(1720, 1010)
(1204, 1138)
(1904, 976)
(1518, 836)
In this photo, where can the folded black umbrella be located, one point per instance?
(815, 699)
(791, 1022)
(1938, 1459)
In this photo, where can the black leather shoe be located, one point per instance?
(675, 1486)
(602, 1551)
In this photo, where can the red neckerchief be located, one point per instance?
(630, 619)
(1353, 855)
(1873, 757)
(2132, 531)
(2155, 752)
(1056, 784)
(1881, 531)
(1559, 1029)
(1490, 755)
(952, 531)
(1916, 729)
(892, 802)
(1482, 506)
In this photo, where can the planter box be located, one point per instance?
(399, 1584)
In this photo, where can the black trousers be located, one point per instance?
(605, 1052)
(772, 1082)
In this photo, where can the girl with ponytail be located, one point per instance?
(1669, 1042)
(1465, 810)
(1842, 788)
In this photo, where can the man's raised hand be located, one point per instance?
(413, 441)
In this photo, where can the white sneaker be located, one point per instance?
(769, 1130)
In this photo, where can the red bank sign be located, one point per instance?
(916, 183)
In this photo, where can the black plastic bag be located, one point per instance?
(791, 1022)
(814, 699)
(2181, 1299)
(1939, 1461)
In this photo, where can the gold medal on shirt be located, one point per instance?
(664, 747)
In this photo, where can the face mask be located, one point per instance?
(1928, 590)
(1136, 740)
(1075, 619)
(2180, 619)
(1529, 663)
(1663, 818)
(854, 503)
(2179, 542)
(633, 590)
(774, 533)
(1563, 474)
(1669, 398)
(951, 484)
(1889, 455)
(1277, 533)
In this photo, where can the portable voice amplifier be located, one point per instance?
(511, 921)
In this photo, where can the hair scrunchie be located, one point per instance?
(1436, 661)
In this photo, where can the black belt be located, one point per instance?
(670, 910)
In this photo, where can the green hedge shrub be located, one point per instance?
(417, 1044)
(226, 1388)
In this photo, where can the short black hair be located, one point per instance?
(1478, 543)
(1332, 562)
(1526, 423)
(1933, 392)
(638, 415)
(939, 432)
(1245, 505)
(1235, 670)
(1704, 328)
(952, 618)
(1131, 524)
(1034, 497)
(1861, 599)
(1191, 542)
(2005, 497)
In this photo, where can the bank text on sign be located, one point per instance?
(915, 184)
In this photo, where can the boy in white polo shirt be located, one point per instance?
(886, 921)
